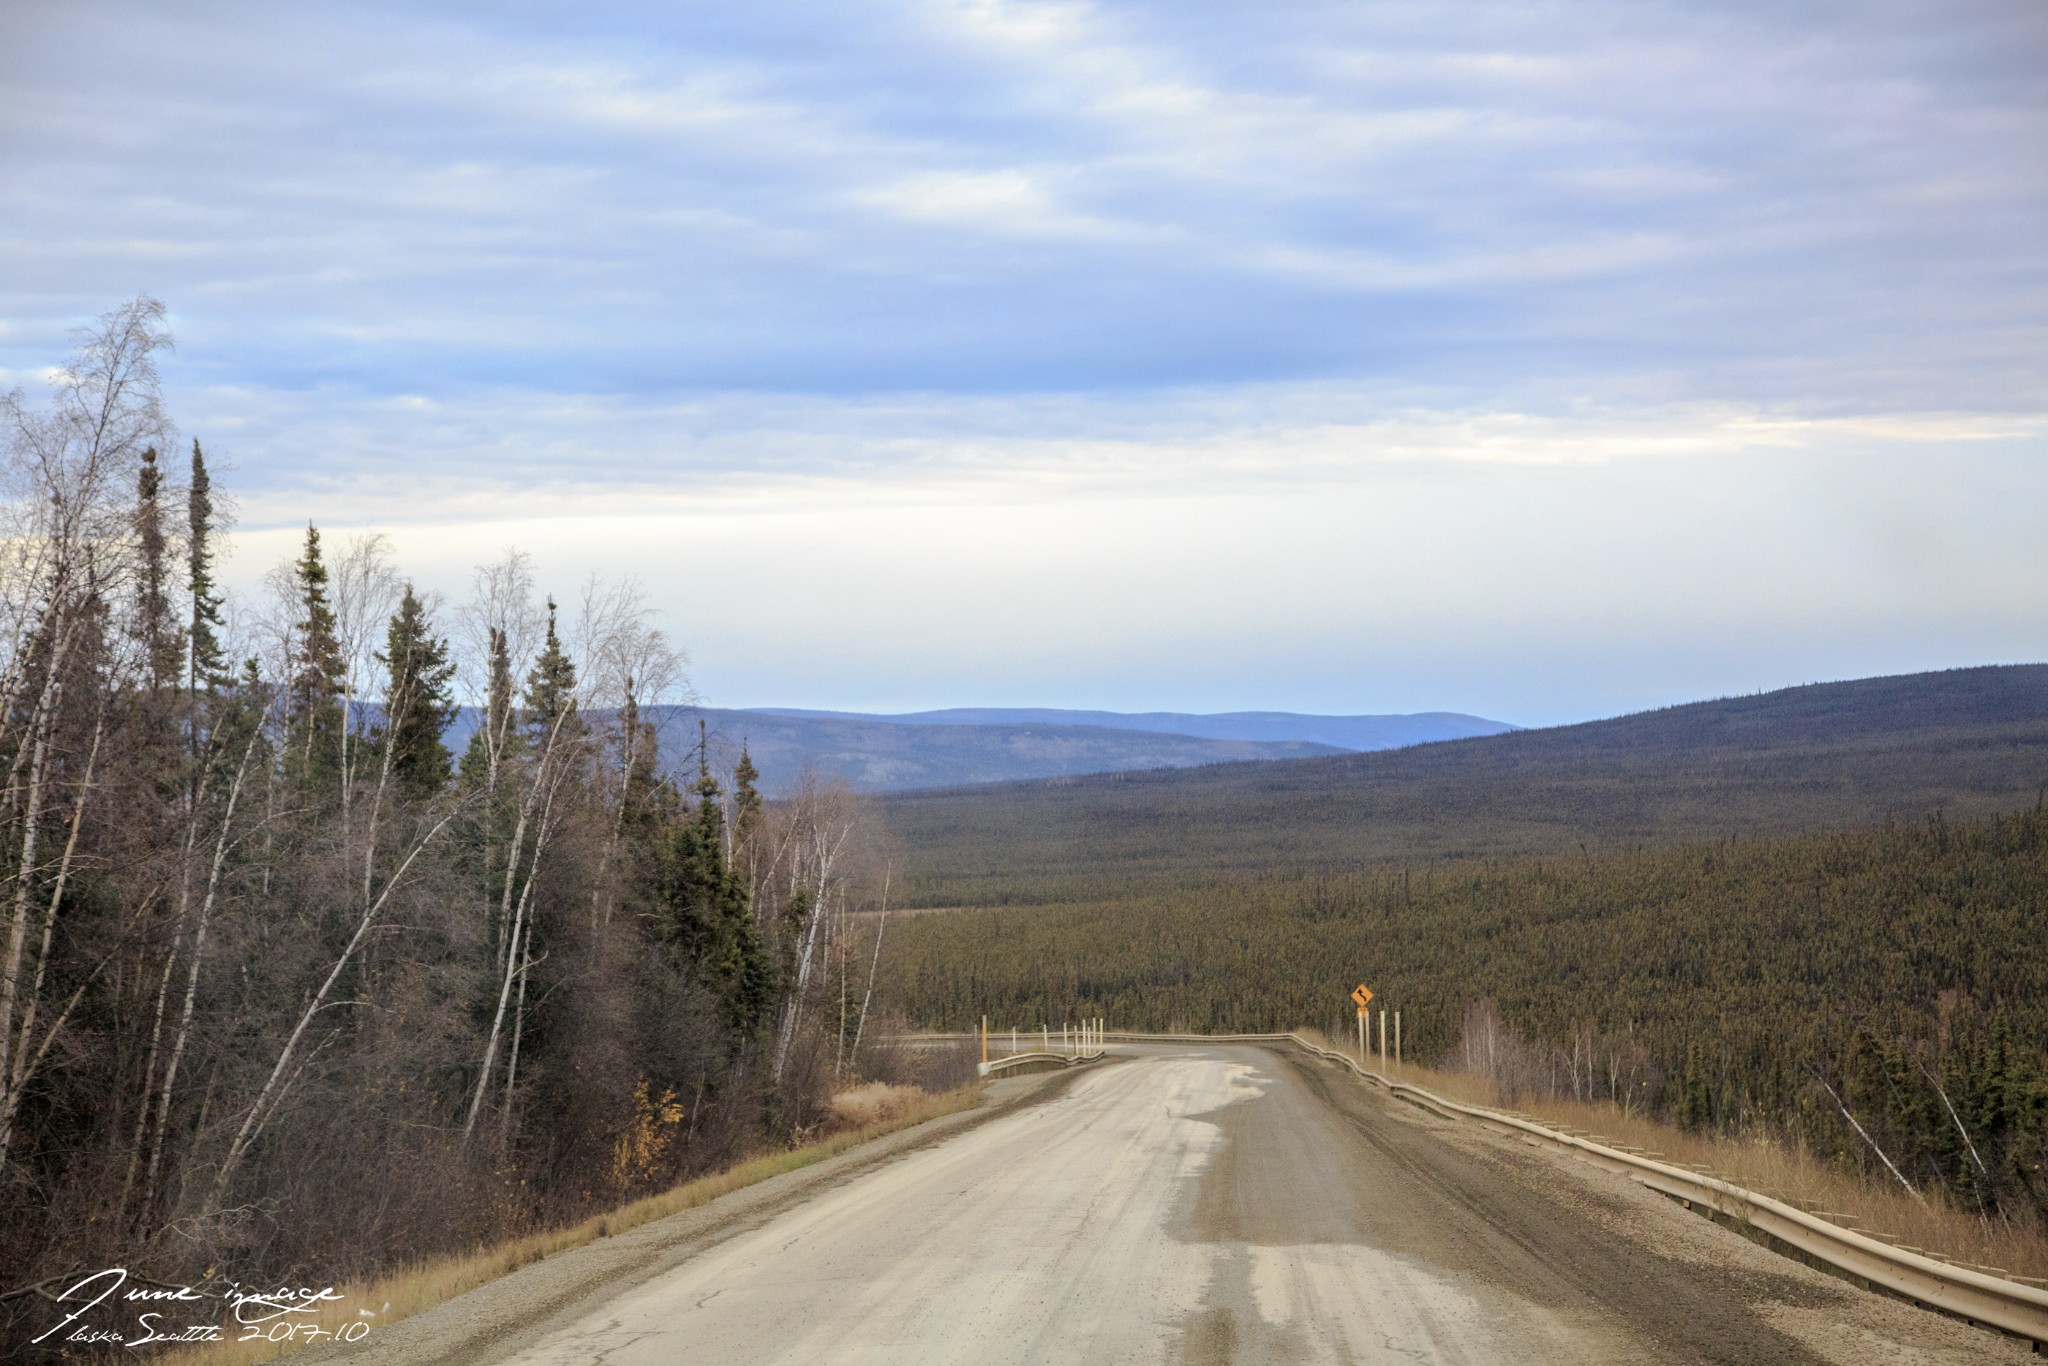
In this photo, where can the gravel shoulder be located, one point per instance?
(487, 1323)
(1586, 1244)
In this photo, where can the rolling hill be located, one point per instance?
(877, 755)
(1965, 742)
(1340, 732)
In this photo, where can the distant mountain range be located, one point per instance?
(1338, 732)
(967, 746)
(1969, 743)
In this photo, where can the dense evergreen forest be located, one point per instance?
(1898, 975)
(287, 989)
(1968, 742)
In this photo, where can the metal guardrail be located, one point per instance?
(2010, 1306)
(1082, 1044)
(1000, 1065)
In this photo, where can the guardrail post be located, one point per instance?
(1397, 1040)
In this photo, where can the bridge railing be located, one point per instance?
(1073, 1044)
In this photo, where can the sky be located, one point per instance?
(1542, 361)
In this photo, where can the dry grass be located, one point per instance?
(1928, 1222)
(878, 1102)
(1769, 1167)
(420, 1288)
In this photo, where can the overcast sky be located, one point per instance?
(1535, 360)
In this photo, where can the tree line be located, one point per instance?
(1881, 995)
(292, 985)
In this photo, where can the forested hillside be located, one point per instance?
(289, 990)
(1968, 742)
(1725, 985)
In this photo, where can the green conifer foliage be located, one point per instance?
(419, 705)
(497, 731)
(705, 914)
(746, 796)
(1695, 1105)
(209, 667)
(551, 685)
(317, 676)
(153, 626)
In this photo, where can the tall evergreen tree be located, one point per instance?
(478, 765)
(420, 705)
(1695, 1102)
(153, 626)
(704, 912)
(209, 665)
(317, 675)
(551, 685)
(746, 796)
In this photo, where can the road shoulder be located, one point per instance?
(505, 1315)
(1660, 1258)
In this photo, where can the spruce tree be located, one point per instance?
(153, 627)
(419, 705)
(496, 729)
(704, 913)
(746, 796)
(1695, 1103)
(551, 685)
(209, 666)
(317, 675)
(639, 750)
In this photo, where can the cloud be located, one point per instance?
(446, 262)
(1012, 203)
(1047, 197)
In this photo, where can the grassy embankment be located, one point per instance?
(420, 1288)
(1930, 1222)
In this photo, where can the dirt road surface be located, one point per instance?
(1231, 1204)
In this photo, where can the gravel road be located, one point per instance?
(1227, 1204)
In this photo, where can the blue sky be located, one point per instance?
(1534, 360)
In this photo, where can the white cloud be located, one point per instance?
(920, 272)
(1007, 202)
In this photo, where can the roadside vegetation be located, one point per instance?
(882, 1108)
(1877, 999)
(296, 984)
(1770, 1163)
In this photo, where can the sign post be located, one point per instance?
(1361, 996)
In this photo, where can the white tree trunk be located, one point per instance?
(251, 1122)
